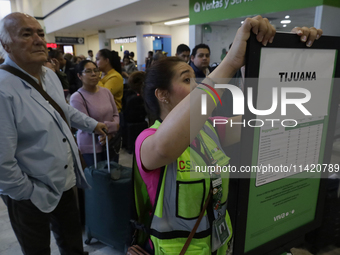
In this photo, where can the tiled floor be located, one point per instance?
(10, 246)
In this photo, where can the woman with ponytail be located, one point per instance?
(109, 64)
(168, 153)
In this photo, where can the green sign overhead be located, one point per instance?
(335, 3)
(204, 11)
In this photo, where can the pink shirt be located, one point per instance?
(151, 177)
(102, 107)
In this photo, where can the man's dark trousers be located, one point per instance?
(32, 227)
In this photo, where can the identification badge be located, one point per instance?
(217, 182)
(220, 232)
(217, 193)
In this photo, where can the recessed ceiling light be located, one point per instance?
(287, 21)
(287, 17)
(284, 25)
(176, 21)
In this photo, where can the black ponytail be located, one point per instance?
(113, 59)
(158, 76)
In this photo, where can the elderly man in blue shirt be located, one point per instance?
(39, 161)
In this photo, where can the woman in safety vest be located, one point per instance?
(172, 157)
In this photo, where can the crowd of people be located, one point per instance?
(40, 166)
(113, 74)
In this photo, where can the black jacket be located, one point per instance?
(72, 78)
(198, 72)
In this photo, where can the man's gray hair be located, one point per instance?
(5, 37)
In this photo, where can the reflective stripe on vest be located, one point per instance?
(168, 221)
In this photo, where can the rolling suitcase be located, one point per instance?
(107, 203)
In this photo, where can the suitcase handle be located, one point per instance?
(95, 154)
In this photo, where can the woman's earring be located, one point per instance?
(166, 101)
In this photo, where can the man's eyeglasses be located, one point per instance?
(90, 71)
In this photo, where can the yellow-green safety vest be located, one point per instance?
(181, 197)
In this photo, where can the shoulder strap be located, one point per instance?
(87, 109)
(35, 85)
(193, 231)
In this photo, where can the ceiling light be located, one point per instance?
(286, 21)
(5, 7)
(287, 17)
(177, 21)
(284, 25)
